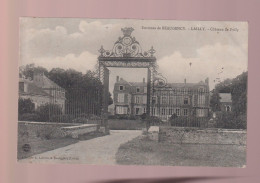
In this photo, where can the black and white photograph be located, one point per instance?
(132, 92)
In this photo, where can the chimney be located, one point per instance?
(184, 80)
(117, 78)
(143, 80)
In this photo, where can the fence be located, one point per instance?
(75, 105)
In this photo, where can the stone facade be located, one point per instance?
(182, 99)
(53, 130)
(202, 136)
(41, 90)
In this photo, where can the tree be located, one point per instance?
(80, 88)
(29, 69)
(238, 89)
(25, 106)
(215, 101)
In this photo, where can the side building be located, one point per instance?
(41, 90)
(181, 99)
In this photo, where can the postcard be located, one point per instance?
(132, 92)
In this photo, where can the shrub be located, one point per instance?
(188, 121)
(86, 118)
(25, 106)
(47, 110)
(153, 120)
(29, 117)
(230, 120)
(64, 118)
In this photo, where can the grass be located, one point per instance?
(124, 124)
(142, 151)
(39, 145)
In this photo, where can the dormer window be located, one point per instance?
(137, 90)
(121, 87)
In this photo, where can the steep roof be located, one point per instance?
(225, 97)
(47, 83)
(122, 81)
(32, 89)
(138, 83)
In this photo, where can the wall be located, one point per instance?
(52, 130)
(202, 136)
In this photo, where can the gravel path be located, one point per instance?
(99, 150)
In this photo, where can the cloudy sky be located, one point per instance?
(74, 43)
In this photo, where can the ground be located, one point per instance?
(100, 150)
(142, 151)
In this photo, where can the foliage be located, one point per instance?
(153, 120)
(25, 106)
(125, 124)
(123, 116)
(78, 86)
(48, 110)
(29, 117)
(230, 120)
(29, 69)
(215, 101)
(189, 121)
(238, 89)
(87, 119)
(63, 118)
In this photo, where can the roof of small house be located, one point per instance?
(225, 97)
(32, 89)
(47, 83)
(138, 83)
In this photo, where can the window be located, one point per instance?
(121, 87)
(201, 100)
(137, 100)
(121, 110)
(144, 110)
(137, 110)
(200, 112)
(186, 101)
(153, 111)
(228, 108)
(170, 111)
(163, 111)
(153, 100)
(121, 97)
(178, 112)
(185, 112)
(137, 90)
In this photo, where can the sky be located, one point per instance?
(191, 54)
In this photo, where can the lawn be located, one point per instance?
(40, 145)
(142, 151)
(124, 124)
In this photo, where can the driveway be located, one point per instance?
(101, 150)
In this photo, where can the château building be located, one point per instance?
(181, 99)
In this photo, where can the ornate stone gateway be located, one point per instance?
(126, 53)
